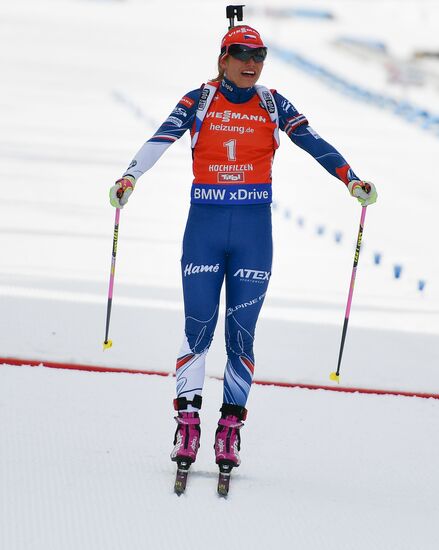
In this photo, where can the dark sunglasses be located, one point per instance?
(244, 53)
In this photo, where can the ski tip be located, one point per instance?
(178, 490)
(223, 487)
(225, 470)
(181, 477)
(334, 377)
(108, 344)
(222, 493)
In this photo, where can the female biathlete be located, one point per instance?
(234, 126)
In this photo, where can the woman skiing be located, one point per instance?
(234, 126)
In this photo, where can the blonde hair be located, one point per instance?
(221, 71)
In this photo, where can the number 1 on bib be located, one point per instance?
(231, 149)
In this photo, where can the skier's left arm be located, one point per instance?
(297, 128)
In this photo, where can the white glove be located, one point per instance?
(120, 192)
(364, 191)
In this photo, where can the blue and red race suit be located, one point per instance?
(228, 233)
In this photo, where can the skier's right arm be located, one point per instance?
(180, 120)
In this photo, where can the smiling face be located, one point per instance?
(242, 73)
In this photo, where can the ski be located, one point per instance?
(181, 477)
(225, 470)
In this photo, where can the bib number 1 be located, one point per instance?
(231, 149)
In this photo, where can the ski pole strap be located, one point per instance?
(182, 403)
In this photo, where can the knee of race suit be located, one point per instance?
(239, 341)
(199, 335)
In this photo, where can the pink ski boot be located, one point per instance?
(187, 437)
(227, 437)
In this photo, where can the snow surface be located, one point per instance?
(84, 465)
(84, 84)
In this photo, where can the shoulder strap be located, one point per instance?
(269, 103)
(207, 92)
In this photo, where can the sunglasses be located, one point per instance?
(244, 53)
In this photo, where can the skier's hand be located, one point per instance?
(364, 191)
(121, 191)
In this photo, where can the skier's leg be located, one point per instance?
(247, 276)
(203, 268)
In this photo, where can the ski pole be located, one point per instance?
(108, 343)
(335, 376)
